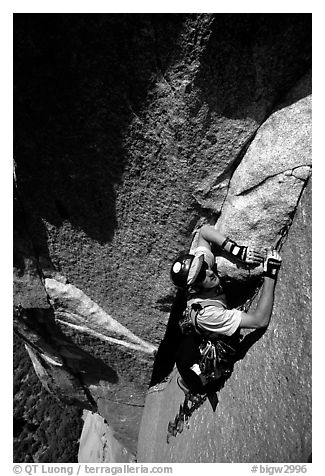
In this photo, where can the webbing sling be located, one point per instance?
(200, 307)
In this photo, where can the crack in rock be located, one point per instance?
(287, 172)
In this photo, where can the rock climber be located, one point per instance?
(206, 311)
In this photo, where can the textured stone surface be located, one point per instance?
(264, 412)
(28, 290)
(97, 443)
(105, 384)
(266, 186)
(160, 104)
(75, 309)
(43, 309)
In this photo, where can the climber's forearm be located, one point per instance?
(260, 317)
(265, 304)
(208, 234)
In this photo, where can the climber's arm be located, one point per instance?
(260, 318)
(208, 234)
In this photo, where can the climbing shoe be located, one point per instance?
(182, 385)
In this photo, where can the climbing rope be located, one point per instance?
(191, 403)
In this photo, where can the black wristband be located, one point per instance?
(272, 270)
(225, 242)
(268, 274)
(239, 252)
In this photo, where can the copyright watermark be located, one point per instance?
(81, 469)
(32, 469)
(279, 469)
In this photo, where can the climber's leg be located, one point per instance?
(187, 362)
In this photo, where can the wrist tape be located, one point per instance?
(239, 251)
(272, 268)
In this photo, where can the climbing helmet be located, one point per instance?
(187, 270)
(180, 270)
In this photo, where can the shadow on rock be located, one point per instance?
(80, 80)
(250, 86)
(63, 368)
(166, 354)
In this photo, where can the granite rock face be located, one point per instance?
(73, 308)
(60, 325)
(266, 187)
(264, 410)
(98, 444)
(138, 127)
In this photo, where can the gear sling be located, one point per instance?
(204, 359)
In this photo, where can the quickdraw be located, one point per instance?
(217, 359)
(191, 403)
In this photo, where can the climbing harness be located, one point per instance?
(217, 351)
(217, 354)
(217, 359)
(215, 366)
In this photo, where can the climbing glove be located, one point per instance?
(272, 264)
(243, 253)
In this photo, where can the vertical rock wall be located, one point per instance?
(97, 442)
(130, 117)
(266, 187)
(264, 410)
(126, 126)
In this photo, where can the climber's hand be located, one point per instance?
(246, 254)
(253, 256)
(272, 264)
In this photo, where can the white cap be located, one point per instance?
(195, 268)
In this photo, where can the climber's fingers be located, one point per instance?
(253, 256)
(272, 264)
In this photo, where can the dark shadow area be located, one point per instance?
(165, 303)
(29, 239)
(303, 89)
(22, 247)
(79, 80)
(37, 328)
(19, 424)
(261, 58)
(166, 354)
(240, 292)
(247, 342)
